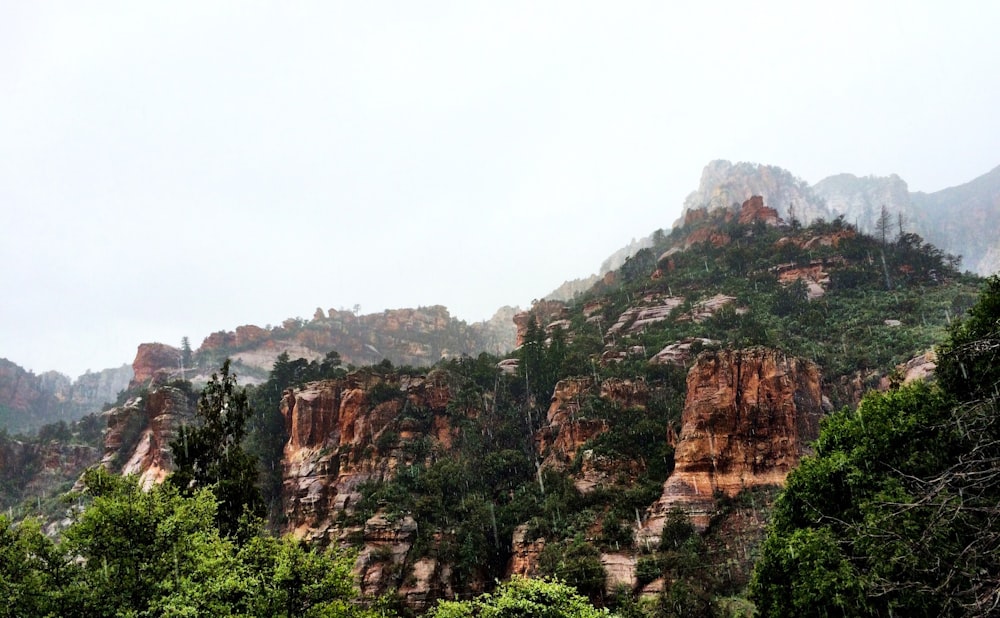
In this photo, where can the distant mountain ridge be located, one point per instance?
(961, 220)
(28, 401)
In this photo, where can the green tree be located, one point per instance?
(969, 361)
(30, 567)
(186, 354)
(527, 598)
(143, 551)
(211, 454)
(897, 513)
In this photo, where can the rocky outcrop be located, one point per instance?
(920, 367)
(28, 401)
(619, 572)
(680, 352)
(747, 419)
(155, 363)
(544, 313)
(415, 337)
(38, 470)
(754, 210)
(340, 438)
(568, 428)
(814, 278)
(360, 428)
(137, 440)
(725, 185)
(652, 309)
(525, 553)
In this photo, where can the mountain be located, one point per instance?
(418, 337)
(959, 220)
(636, 439)
(28, 401)
(963, 220)
(727, 185)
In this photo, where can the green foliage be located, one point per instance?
(970, 359)
(158, 553)
(575, 562)
(897, 512)
(211, 454)
(28, 570)
(529, 598)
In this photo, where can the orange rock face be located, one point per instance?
(747, 419)
(339, 438)
(139, 434)
(154, 362)
(754, 210)
(525, 553)
(559, 441)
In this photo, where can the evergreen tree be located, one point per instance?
(211, 453)
(186, 354)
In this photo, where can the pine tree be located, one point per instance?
(211, 454)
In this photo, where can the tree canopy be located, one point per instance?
(897, 513)
(211, 454)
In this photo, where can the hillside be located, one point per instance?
(412, 337)
(636, 439)
(959, 220)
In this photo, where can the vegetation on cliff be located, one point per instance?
(897, 512)
(566, 446)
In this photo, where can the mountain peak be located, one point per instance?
(727, 185)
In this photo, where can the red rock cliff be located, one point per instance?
(139, 432)
(154, 363)
(747, 419)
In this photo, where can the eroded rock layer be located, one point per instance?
(747, 419)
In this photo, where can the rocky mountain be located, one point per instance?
(28, 401)
(963, 220)
(959, 220)
(645, 425)
(417, 337)
(727, 185)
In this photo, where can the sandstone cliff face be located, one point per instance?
(747, 418)
(339, 438)
(567, 429)
(139, 433)
(155, 363)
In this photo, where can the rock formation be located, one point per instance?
(567, 429)
(339, 438)
(724, 184)
(544, 312)
(747, 419)
(139, 433)
(28, 401)
(155, 363)
(417, 337)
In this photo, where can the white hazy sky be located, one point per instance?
(170, 169)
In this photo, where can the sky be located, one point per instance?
(172, 169)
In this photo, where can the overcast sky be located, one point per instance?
(176, 168)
